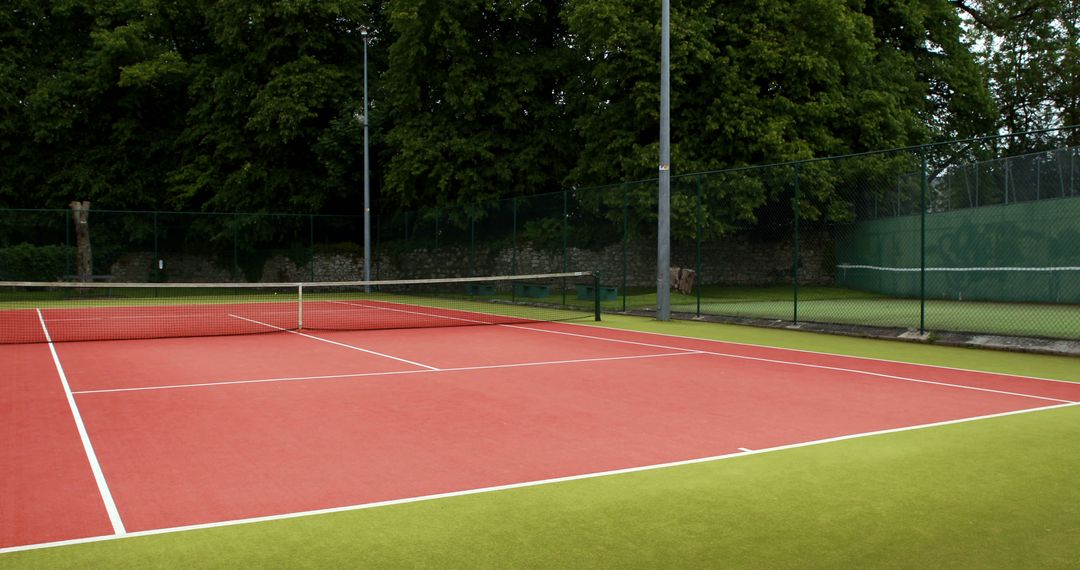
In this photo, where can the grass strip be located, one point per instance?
(1041, 366)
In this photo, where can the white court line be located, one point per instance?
(341, 344)
(376, 374)
(88, 448)
(744, 450)
(767, 347)
(134, 317)
(422, 498)
(770, 360)
(181, 316)
(820, 353)
(415, 312)
(805, 365)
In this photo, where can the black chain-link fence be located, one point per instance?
(957, 236)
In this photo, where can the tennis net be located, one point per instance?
(58, 312)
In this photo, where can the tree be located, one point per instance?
(1031, 52)
(271, 126)
(759, 82)
(476, 94)
(190, 104)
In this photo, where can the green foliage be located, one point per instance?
(478, 97)
(240, 105)
(148, 104)
(25, 262)
(1031, 53)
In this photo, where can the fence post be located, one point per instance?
(311, 239)
(67, 243)
(795, 257)
(1008, 172)
(513, 239)
(922, 243)
(697, 247)
(565, 231)
(1038, 179)
(156, 267)
(596, 295)
(235, 246)
(625, 239)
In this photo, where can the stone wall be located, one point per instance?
(738, 260)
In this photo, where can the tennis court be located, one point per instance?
(122, 437)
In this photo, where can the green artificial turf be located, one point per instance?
(1041, 366)
(992, 493)
(846, 306)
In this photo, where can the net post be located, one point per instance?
(300, 306)
(596, 295)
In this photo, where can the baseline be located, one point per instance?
(540, 482)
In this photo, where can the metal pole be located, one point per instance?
(367, 175)
(697, 251)
(663, 237)
(513, 234)
(922, 245)
(565, 231)
(795, 259)
(625, 239)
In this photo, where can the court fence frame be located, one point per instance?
(967, 236)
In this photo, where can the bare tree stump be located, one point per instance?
(84, 261)
(682, 280)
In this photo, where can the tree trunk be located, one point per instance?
(84, 264)
(682, 280)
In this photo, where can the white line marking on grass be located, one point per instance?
(88, 448)
(423, 498)
(326, 340)
(375, 374)
(818, 352)
(807, 365)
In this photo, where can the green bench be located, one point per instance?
(480, 290)
(532, 290)
(587, 292)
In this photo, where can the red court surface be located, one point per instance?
(206, 430)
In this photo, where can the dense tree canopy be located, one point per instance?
(244, 105)
(231, 105)
(1031, 54)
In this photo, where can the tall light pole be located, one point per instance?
(663, 230)
(367, 173)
